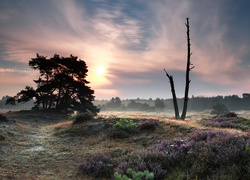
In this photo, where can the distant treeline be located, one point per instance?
(19, 106)
(199, 103)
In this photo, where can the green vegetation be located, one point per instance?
(219, 109)
(244, 122)
(83, 117)
(125, 124)
(123, 129)
(62, 85)
(135, 175)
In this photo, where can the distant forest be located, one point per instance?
(19, 106)
(199, 103)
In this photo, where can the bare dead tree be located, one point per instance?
(190, 66)
(188, 69)
(176, 109)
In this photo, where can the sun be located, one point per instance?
(100, 70)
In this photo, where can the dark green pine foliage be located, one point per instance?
(62, 84)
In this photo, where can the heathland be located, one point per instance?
(52, 145)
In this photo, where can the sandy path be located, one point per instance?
(31, 151)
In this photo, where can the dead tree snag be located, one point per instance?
(188, 69)
(176, 109)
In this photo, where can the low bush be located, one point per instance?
(213, 153)
(230, 114)
(219, 109)
(243, 122)
(98, 165)
(135, 175)
(125, 124)
(144, 160)
(205, 155)
(226, 122)
(123, 129)
(3, 118)
(149, 124)
(83, 117)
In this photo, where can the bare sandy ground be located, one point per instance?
(31, 151)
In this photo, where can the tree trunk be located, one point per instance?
(183, 116)
(176, 109)
(188, 69)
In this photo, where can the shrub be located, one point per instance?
(124, 124)
(149, 124)
(144, 160)
(207, 154)
(230, 114)
(215, 152)
(243, 122)
(98, 165)
(225, 122)
(219, 109)
(83, 117)
(135, 175)
(123, 128)
(3, 118)
(72, 117)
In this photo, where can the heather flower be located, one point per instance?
(214, 151)
(149, 124)
(144, 160)
(98, 165)
(224, 122)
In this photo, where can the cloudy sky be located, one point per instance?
(127, 44)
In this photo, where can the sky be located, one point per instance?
(126, 44)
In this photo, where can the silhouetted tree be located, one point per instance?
(246, 100)
(114, 103)
(137, 106)
(176, 108)
(61, 85)
(219, 109)
(188, 69)
(159, 103)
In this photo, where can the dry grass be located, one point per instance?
(32, 151)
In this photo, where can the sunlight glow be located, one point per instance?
(100, 70)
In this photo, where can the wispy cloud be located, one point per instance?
(129, 42)
(6, 70)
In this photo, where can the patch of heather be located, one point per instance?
(98, 165)
(215, 151)
(150, 124)
(3, 118)
(225, 122)
(153, 161)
